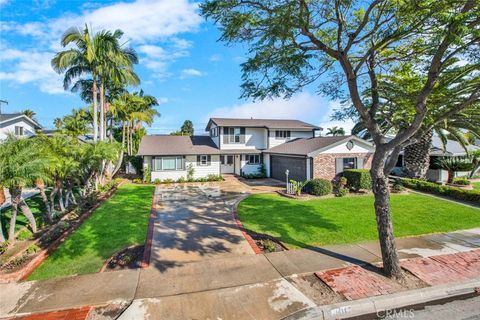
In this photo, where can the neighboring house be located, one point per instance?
(18, 124)
(451, 149)
(242, 146)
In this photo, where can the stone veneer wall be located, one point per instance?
(324, 164)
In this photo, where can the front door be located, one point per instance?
(237, 164)
(226, 164)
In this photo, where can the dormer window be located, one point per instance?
(282, 134)
(234, 135)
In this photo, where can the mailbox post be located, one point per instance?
(286, 175)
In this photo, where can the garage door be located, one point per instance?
(296, 167)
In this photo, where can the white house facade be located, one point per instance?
(17, 124)
(245, 146)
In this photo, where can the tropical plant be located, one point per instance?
(3, 198)
(298, 186)
(454, 164)
(335, 131)
(21, 164)
(29, 113)
(187, 128)
(75, 124)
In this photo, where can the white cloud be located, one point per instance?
(146, 23)
(32, 66)
(303, 106)
(3, 2)
(215, 57)
(191, 73)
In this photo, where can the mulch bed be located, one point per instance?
(267, 243)
(127, 258)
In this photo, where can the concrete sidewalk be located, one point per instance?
(237, 286)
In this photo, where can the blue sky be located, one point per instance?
(181, 62)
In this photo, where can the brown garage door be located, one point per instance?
(297, 168)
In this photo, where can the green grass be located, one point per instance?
(476, 185)
(119, 222)
(350, 219)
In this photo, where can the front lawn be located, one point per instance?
(476, 185)
(350, 219)
(119, 222)
(36, 205)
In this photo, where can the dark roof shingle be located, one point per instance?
(176, 145)
(304, 146)
(262, 123)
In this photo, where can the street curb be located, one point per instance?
(147, 252)
(376, 307)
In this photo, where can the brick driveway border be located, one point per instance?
(71, 314)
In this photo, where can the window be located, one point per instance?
(349, 163)
(282, 134)
(233, 135)
(168, 163)
(226, 160)
(253, 158)
(204, 160)
(214, 132)
(18, 131)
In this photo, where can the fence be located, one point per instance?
(290, 188)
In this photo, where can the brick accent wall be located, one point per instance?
(324, 164)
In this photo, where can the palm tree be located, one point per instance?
(78, 61)
(57, 122)
(76, 124)
(187, 128)
(29, 113)
(2, 201)
(335, 131)
(20, 165)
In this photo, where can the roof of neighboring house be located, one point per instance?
(313, 146)
(176, 145)
(452, 148)
(261, 123)
(4, 117)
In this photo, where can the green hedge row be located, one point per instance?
(456, 193)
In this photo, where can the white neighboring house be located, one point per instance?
(18, 124)
(243, 146)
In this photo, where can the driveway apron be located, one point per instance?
(195, 223)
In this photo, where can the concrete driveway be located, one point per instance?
(195, 223)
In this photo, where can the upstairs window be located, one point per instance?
(18, 131)
(234, 135)
(282, 134)
(214, 132)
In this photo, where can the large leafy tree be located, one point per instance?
(20, 165)
(187, 128)
(294, 43)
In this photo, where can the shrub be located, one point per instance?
(214, 177)
(147, 175)
(461, 181)
(358, 179)
(298, 186)
(157, 181)
(268, 245)
(397, 186)
(33, 248)
(341, 192)
(181, 180)
(456, 193)
(339, 187)
(319, 187)
(190, 172)
(168, 181)
(137, 163)
(201, 180)
(25, 234)
(137, 180)
(3, 247)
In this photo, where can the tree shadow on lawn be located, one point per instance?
(281, 224)
(36, 205)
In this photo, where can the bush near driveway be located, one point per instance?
(319, 187)
(358, 179)
(350, 219)
(444, 190)
(119, 222)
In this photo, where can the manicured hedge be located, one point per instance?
(358, 179)
(444, 190)
(319, 187)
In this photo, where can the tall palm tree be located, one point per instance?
(78, 61)
(3, 198)
(335, 131)
(29, 113)
(20, 165)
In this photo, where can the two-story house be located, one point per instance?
(18, 124)
(242, 146)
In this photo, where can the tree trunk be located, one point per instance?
(3, 198)
(95, 109)
(16, 197)
(102, 111)
(417, 157)
(451, 175)
(29, 215)
(391, 263)
(2, 237)
(120, 160)
(61, 201)
(41, 187)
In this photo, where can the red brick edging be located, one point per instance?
(240, 226)
(147, 252)
(28, 269)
